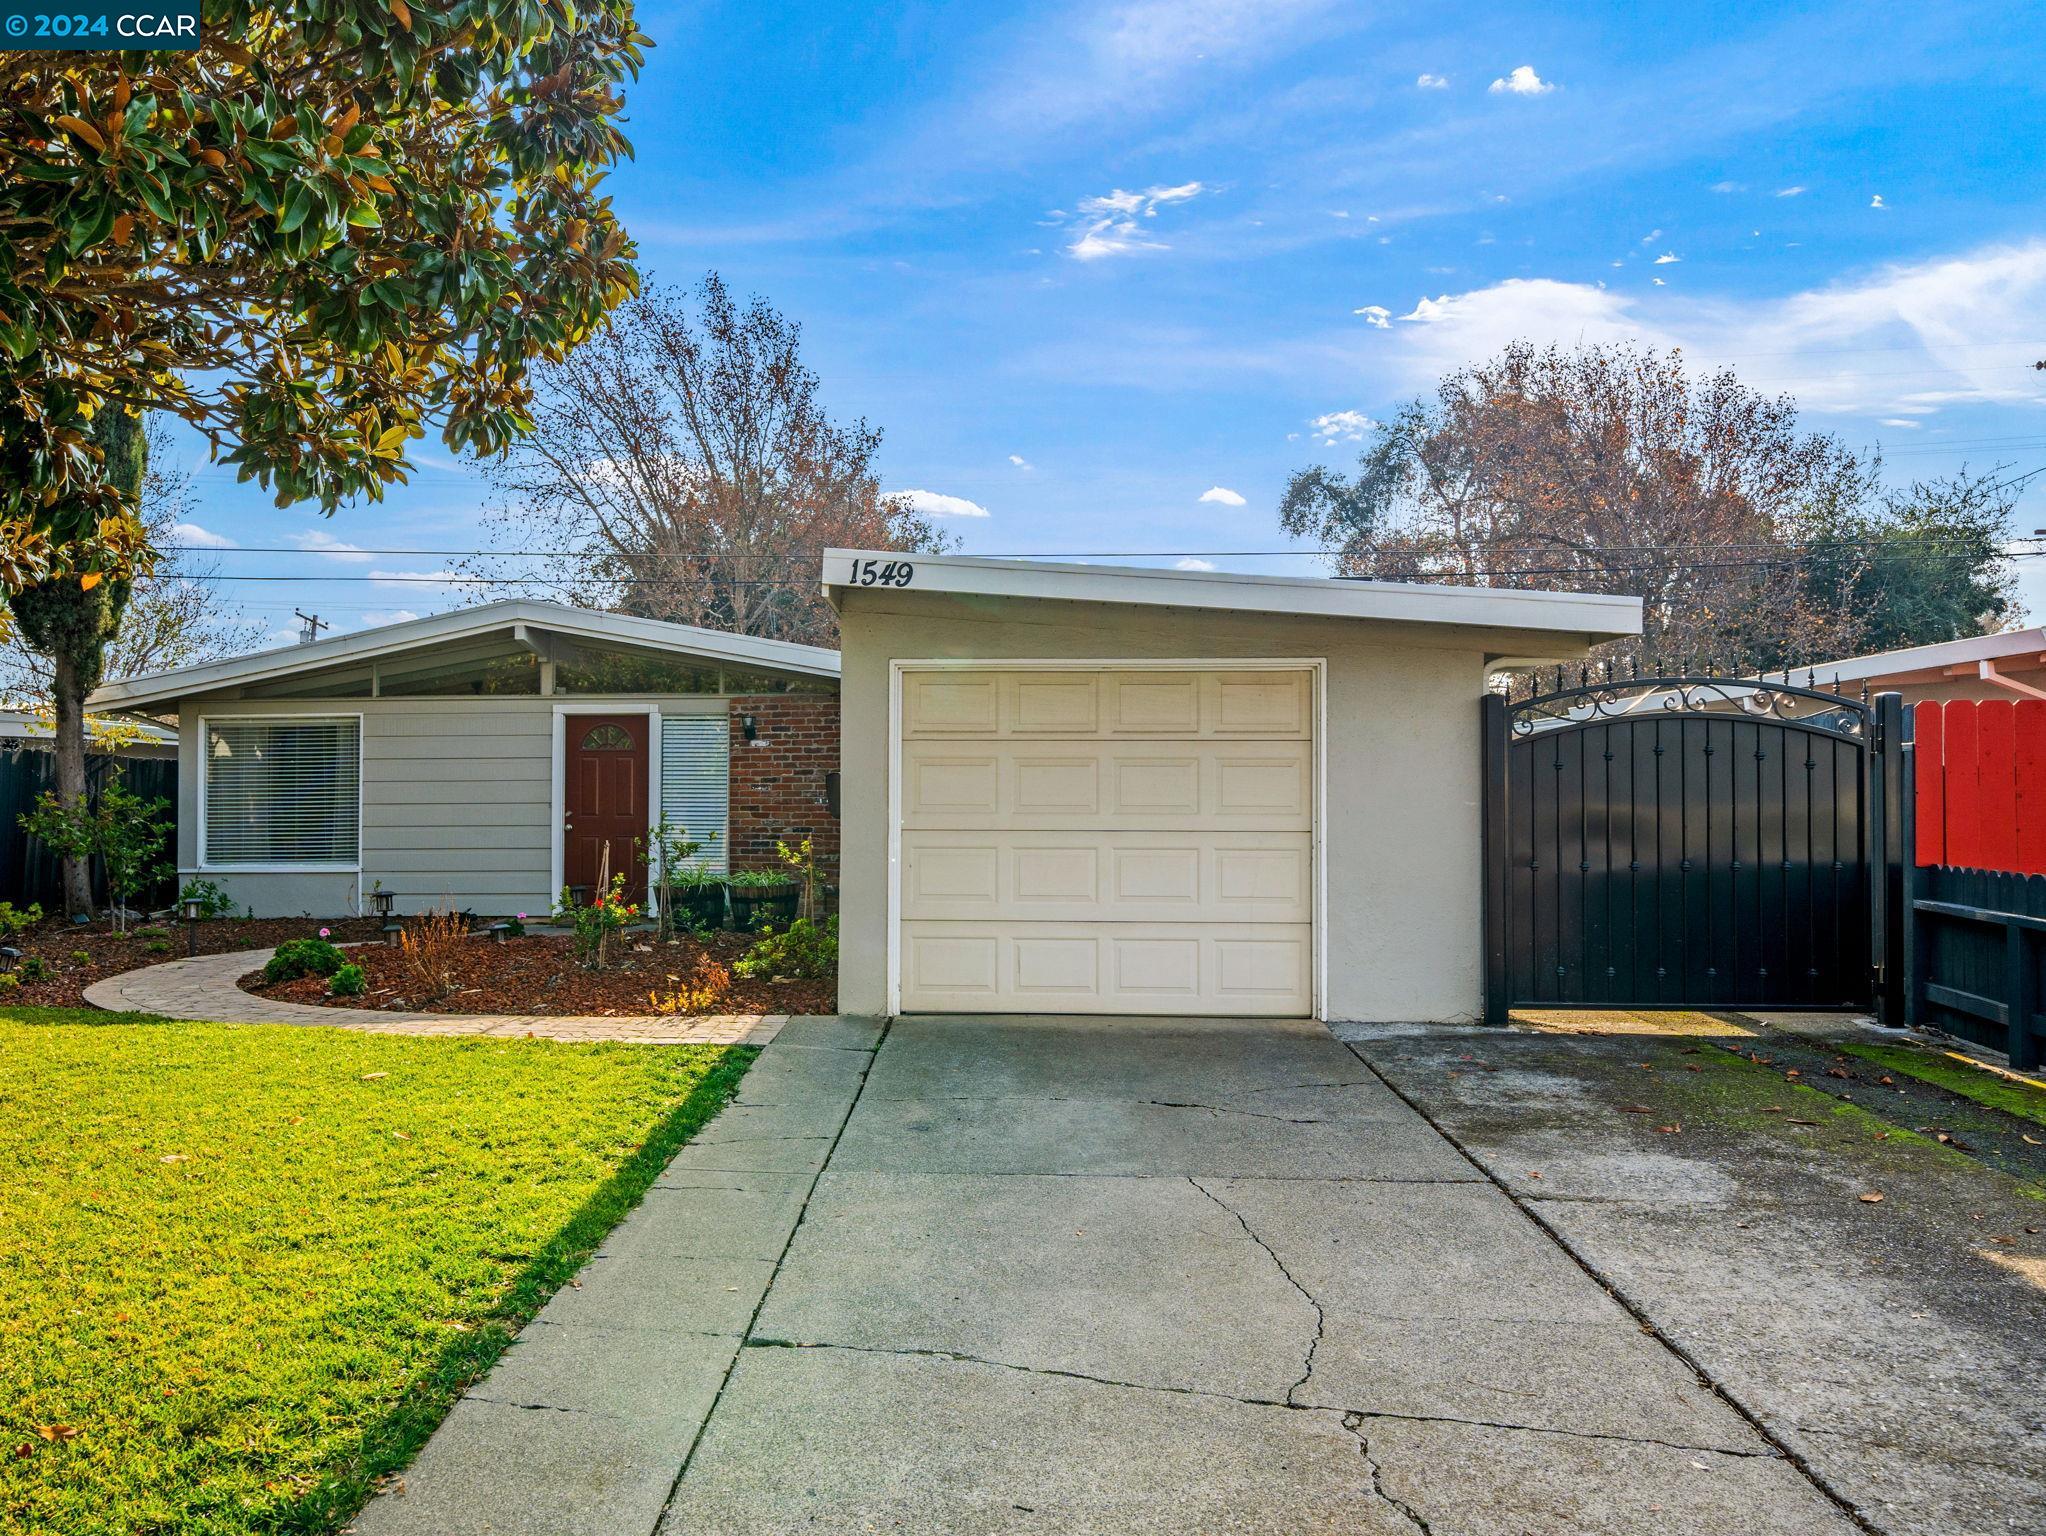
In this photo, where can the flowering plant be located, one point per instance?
(592, 925)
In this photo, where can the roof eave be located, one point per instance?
(395, 639)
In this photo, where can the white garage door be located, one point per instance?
(1111, 841)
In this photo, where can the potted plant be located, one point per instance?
(698, 897)
(683, 890)
(762, 896)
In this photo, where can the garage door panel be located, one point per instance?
(1130, 840)
(1103, 785)
(1108, 968)
(1255, 877)
(1134, 703)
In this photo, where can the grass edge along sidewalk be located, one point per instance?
(246, 1269)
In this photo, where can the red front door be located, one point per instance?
(606, 800)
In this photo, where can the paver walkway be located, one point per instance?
(205, 988)
(1089, 1276)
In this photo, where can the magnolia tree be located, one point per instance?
(335, 227)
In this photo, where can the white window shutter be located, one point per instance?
(696, 761)
(285, 791)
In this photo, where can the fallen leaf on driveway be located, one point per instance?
(1669, 1130)
(1873, 1197)
(1636, 1109)
(1772, 1109)
(1795, 1121)
(57, 1432)
(1887, 1082)
(1836, 1072)
(2035, 1141)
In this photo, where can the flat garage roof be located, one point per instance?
(1591, 616)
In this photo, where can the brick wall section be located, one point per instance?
(778, 779)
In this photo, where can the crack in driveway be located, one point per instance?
(1361, 1415)
(1320, 1317)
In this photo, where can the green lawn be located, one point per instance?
(244, 1269)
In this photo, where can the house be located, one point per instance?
(490, 756)
(2011, 665)
(1085, 789)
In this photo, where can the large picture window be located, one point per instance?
(284, 791)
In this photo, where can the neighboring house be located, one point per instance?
(2011, 665)
(490, 756)
(128, 740)
(1084, 789)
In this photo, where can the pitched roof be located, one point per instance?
(508, 617)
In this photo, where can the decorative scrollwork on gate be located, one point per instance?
(1647, 698)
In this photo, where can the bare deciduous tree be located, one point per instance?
(684, 460)
(1607, 469)
(174, 617)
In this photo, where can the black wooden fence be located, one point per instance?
(28, 870)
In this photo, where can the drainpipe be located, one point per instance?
(1987, 672)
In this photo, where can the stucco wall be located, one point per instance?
(1403, 934)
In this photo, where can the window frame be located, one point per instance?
(272, 867)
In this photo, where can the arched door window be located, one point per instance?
(607, 738)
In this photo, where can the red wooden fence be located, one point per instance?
(1981, 767)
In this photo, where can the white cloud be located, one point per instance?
(1341, 426)
(1375, 315)
(1727, 186)
(1108, 225)
(1192, 563)
(320, 542)
(443, 580)
(1651, 237)
(1522, 82)
(1667, 258)
(1658, 282)
(1791, 192)
(1428, 82)
(1900, 421)
(1222, 494)
(1877, 201)
(380, 616)
(192, 536)
(1900, 340)
(936, 504)
(1020, 462)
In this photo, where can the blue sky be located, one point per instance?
(1106, 273)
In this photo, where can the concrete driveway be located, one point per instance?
(1062, 1276)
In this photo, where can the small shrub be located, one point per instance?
(515, 927)
(158, 947)
(213, 901)
(152, 932)
(806, 949)
(303, 957)
(594, 924)
(699, 992)
(32, 968)
(427, 952)
(349, 981)
(81, 957)
(9, 981)
(15, 921)
(759, 880)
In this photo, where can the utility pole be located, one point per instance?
(309, 626)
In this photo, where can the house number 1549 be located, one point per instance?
(882, 573)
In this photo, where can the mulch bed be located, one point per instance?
(538, 974)
(108, 953)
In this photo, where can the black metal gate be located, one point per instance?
(1689, 842)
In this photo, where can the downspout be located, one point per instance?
(1988, 673)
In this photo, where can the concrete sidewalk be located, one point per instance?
(1056, 1275)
